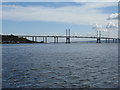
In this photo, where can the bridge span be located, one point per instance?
(68, 38)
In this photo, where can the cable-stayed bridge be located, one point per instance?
(68, 37)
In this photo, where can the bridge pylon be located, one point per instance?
(98, 36)
(67, 36)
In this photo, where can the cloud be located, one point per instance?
(97, 27)
(113, 16)
(99, 4)
(112, 28)
(112, 25)
(113, 22)
(86, 14)
(83, 14)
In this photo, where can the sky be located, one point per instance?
(60, 1)
(53, 18)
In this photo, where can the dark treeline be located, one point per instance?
(14, 39)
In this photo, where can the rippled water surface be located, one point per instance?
(60, 65)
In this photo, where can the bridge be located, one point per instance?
(68, 37)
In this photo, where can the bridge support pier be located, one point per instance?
(67, 36)
(113, 40)
(45, 39)
(33, 39)
(98, 40)
(55, 39)
(67, 39)
(108, 40)
(118, 40)
(98, 36)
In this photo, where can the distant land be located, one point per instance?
(15, 39)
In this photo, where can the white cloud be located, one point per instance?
(113, 16)
(112, 25)
(97, 27)
(85, 14)
(113, 22)
(111, 28)
(99, 4)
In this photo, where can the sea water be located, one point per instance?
(75, 65)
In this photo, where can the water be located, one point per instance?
(76, 65)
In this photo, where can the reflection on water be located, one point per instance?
(60, 65)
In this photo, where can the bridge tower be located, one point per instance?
(55, 39)
(67, 36)
(98, 36)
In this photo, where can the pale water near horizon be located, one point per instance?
(75, 65)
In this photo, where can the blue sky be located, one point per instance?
(50, 18)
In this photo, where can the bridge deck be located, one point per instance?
(65, 36)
